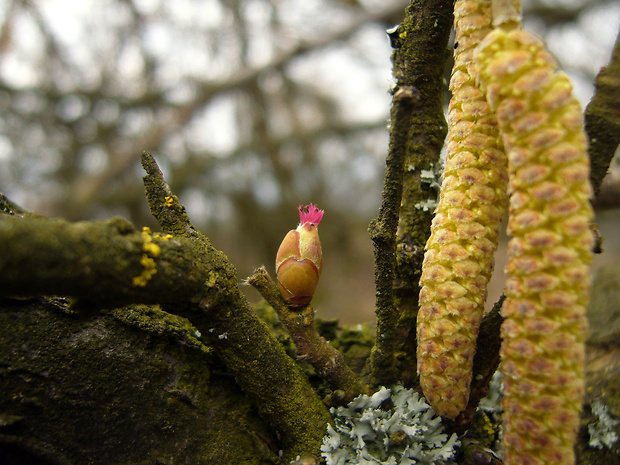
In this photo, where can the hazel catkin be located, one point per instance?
(549, 251)
(458, 262)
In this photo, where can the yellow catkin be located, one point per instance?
(549, 250)
(459, 253)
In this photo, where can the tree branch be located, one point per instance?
(419, 62)
(382, 231)
(98, 261)
(163, 204)
(109, 263)
(603, 118)
(259, 363)
(328, 362)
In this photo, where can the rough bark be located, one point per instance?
(419, 58)
(603, 118)
(133, 386)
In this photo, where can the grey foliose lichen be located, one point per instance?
(403, 430)
(492, 402)
(602, 431)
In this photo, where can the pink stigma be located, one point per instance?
(314, 215)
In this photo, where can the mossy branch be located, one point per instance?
(419, 62)
(164, 205)
(258, 362)
(100, 261)
(383, 234)
(327, 361)
(602, 118)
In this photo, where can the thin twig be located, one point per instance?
(327, 361)
(164, 205)
(383, 234)
(603, 118)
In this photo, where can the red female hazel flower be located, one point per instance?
(299, 260)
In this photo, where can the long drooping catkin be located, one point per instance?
(550, 249)
(459, 253)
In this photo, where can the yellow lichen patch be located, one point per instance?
(168, 201)
(212, 279)
(459, 253)
(549, 252)
(149, 270)
(151, 250)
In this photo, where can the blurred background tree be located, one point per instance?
(251, 107)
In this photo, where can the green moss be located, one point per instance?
(355, 343)
(131, 386)
(419, 63)
(427, 26)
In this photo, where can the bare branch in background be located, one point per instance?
(86, 189)
(603, 118)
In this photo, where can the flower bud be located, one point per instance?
(299, 260)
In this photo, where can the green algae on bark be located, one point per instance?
(131, 385)
(260, 365)
(419, 60)
(383, 234)
(98, 261)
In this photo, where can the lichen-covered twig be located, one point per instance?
(327, 361)
(459, 257)
(383, 234)
(550, 249)
(419, 58)
(258, 362)
(164, 205)
(99, 261)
